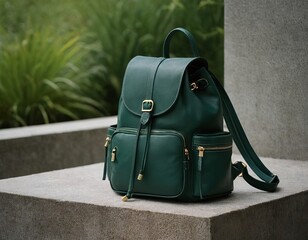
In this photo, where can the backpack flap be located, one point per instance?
(156, 79)
(165, 84)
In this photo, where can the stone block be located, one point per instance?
(76, 204)
(34, 149)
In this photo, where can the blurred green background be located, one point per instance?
(63, 60)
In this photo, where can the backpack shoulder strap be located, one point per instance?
(270, 180)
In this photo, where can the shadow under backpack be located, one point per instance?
(169, 140)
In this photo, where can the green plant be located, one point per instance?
(86, 78)
(126, 28)
(122, 30)
(36, 81)
(205, 20)
(18, 16)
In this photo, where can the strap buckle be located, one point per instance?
(147, 106)
(193, 86)
(200, 84)
(245, 166)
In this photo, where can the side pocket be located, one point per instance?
(212, 164)
(164, 172)
(110, 131)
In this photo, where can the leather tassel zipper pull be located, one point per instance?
(108, 139)
(113, 154)
(200, 157)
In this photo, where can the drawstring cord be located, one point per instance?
(147, 107)
(143, 122)
(145, 155)
(129, 193)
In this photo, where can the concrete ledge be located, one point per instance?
(266, 73)
(75, 204)
(34, 149)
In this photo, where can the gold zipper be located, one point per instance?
(186, 152)
(201, 153)
(113, 154)
(202, 149)
(107, 142)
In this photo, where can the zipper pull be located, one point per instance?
(113, 154)
(200, 156)
(201, 151)
(186, 152)
(107, 142)
(106, 150)
(140, 176)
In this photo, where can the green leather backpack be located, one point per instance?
(169, 140)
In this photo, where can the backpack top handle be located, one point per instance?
(187, 34)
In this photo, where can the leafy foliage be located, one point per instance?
(122, 30)
(36, 81)
(127, 28)
(65, 59)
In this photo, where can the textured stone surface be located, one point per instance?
(266, 73)
(75, 204)
(42, 148)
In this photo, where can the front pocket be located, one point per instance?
(164, 172)
(212, 164)
(110, 132)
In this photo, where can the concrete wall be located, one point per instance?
(266, 73)
(34, 149)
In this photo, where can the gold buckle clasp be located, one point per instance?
(147, 103)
